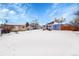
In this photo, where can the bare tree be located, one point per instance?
(77, 13)
(75, 22)
(59, 20)
(27, 24)
(35, 24)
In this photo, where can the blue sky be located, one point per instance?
(20, 13)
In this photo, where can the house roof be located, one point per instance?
(13, 24)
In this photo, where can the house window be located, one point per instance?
(22, 26)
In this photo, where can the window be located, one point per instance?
(22, 26)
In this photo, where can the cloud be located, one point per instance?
(59, 11)
(3, 12)
(21, 13)
(14, 13)
(70, 11)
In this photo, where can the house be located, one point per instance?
(76, 28)
(48, 26)
(18, 27)
(0, 29)
(56, 25)
(13, 28)
(68, 27)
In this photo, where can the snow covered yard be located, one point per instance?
(40, 43)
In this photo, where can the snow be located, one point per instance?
(40, 43)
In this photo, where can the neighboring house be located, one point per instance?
(18, 27)
(56, 26)
(77, 28)
(48, 26)
(53, 26)
(76, 22)
(0, 29)
(0, 25)
(59, 26)
(68, 27)
(14, 27)
(44, 27)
